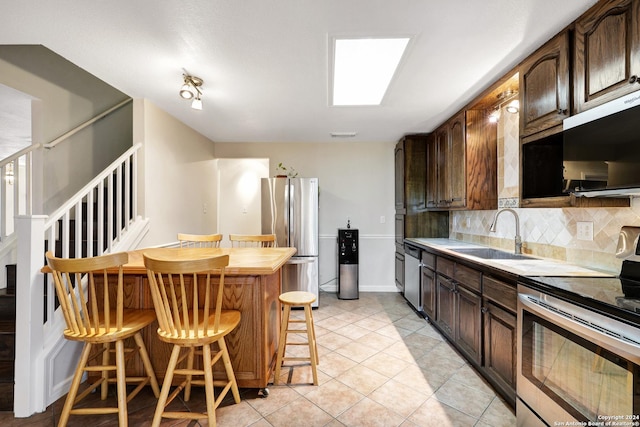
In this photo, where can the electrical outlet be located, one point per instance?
(585, 230)
(383, 219)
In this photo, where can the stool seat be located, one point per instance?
(289, 300)
(297, 298)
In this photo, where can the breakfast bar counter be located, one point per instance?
(251, 285)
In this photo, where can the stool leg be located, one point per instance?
(166, 386)
(75, 384)
(313, 331)
(187, 387)
(282, 344)
(208, 384)
(231, 376)
(121, 383)
(106, 355)
(311, 337)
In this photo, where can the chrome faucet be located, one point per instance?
(518, 239)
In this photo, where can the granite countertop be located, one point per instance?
(533, 266)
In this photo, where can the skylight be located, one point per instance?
(363, 69)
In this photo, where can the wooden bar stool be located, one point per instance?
(199, 240)
(252, 240)
(297, 299)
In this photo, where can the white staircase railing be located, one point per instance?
(99, 214)
(100, 218)
(15, 189)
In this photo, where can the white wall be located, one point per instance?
(356, 180)
(179, 176)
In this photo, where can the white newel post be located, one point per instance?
(29, 387)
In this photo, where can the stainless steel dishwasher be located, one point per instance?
(412, 288)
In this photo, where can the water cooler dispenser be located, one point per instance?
(347, 263)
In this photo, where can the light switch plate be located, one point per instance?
(585, 230)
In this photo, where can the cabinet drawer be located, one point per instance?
(445, 266)
(500, 292)
(429, 260)
(469, 277)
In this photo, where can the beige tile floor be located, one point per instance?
(380, 365)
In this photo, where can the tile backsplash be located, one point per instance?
(552, 232)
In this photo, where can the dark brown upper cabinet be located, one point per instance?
(607, 53)
(399, 177)
(450, 154)
(443, 182)
(461, 164)
(432, 172)
(457, 162)
(544, 87)
(410, 160)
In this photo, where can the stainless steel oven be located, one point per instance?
(575, 366)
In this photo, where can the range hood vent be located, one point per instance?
(613, 192)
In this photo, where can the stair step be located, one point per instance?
(11, 278)
(7, 326)
(7, 370)
(6, 396)
(7, 306)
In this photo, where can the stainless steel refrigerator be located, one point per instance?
(290, 211)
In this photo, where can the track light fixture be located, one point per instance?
(191, 90)
(507, 100)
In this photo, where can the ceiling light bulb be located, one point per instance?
(513, 107)
(494, 117)
(187, 91)
(196, 104)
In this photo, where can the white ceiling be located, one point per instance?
(265, 63)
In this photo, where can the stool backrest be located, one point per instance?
(183, 295)
(90, 292)
(252, 240)
(199, 240)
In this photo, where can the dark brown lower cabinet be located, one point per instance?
(469, 327)
(500, 348)
(459, 317)
(446, 306)
(400, 271)
(429, 292)
(500, 351)
(476, 312)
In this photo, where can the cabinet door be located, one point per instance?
(443, 195)
(400, 271)
(432, 172)
(415, 172)
(399, 226)
(544, 86)
(457, 162)
(500, 347)
(429, 292)
(607, 53)
(399, 176)
(469, 323)
(446, 306)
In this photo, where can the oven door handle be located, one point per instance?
(598, 331)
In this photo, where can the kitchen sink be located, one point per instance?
(489, 253)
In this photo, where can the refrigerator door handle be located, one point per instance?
(300, 261)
